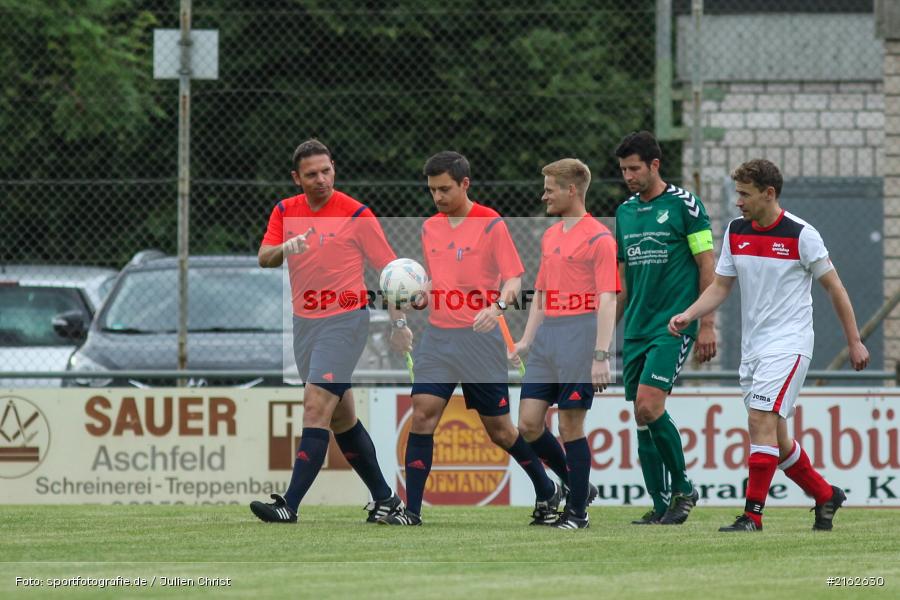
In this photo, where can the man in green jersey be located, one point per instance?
(665, 255)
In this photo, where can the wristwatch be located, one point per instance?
(501, 304)
(399, 323)
(601, 355)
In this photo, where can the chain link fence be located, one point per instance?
(88, 172)
(798, 83)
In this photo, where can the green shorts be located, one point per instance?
(653, 361)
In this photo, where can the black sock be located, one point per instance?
(419, 451)
(578, 457)
(359, 451)
(528, 460)
(551, 454)
(310, 456)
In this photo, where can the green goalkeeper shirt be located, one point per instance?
(657, 241)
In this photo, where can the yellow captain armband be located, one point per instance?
(700, 241)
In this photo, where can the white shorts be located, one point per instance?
(772, 383)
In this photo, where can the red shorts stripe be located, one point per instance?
(784, 388)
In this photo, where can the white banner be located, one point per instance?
(160, 446)
(850, 434)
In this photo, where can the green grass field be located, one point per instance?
(472, 552)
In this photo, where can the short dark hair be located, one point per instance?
(761, 173)
(452, 163)
(310, 147)
(641, 143)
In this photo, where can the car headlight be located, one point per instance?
(81, 362)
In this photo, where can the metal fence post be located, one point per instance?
(697, 96)
(663, 79)
(184, 181)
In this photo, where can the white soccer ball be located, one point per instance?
(403, 281)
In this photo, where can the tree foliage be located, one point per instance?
(76, 84)
(384, 83)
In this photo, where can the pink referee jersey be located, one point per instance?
(327, 279)
(576, 266)
(467, 264)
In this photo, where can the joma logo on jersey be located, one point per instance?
(762, 398)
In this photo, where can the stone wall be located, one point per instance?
(810, 129)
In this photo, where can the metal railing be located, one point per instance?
(399, 375)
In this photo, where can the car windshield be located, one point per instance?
(219, 299)
(106, 286)
(26, 314)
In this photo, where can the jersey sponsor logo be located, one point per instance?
(647, 236)
(780, 249)
(662, 216)
(764, 246)
(642, 256)
(659, 378)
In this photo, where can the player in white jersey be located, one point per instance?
(775, 255)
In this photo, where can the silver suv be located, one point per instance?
(45, 312)
(236, 322)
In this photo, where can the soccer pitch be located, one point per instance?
(474, 552)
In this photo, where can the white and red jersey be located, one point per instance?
(775, 267)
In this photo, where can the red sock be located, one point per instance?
(803, 474)
(762, 470)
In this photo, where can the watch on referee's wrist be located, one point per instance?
(601, 355)
(398, 323)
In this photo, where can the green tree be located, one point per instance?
(384, 83)
(75, 85)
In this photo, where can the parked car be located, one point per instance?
(236, 321)
(45, 312)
